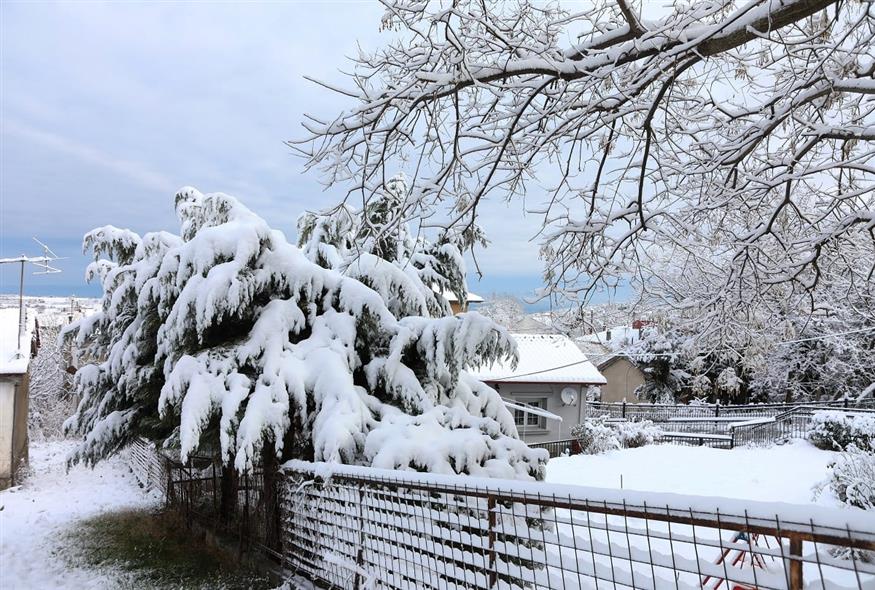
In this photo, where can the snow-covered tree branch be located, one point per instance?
(228, 337)
(735, 137)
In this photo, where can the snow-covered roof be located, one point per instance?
(472, 297)
(529, 325)
(12, 360)
(600, 354)
(616, 337)
(544, 358)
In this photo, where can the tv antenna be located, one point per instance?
(43, 263)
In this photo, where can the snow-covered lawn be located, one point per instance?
(783, 473)
(36, 517)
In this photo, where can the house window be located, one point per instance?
(528, 419)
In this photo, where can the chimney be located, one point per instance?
(608, 335)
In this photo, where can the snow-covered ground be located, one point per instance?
(785, 473)
(35, 517)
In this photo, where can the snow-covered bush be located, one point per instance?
(833, 430)
(595, 436)
(230, 337)
(852, 482)
(637, 433)
(852, 478)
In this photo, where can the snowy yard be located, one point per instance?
(36, 517)
(784, 473)
(97, 529)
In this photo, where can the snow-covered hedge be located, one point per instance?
(637, 433)
(598, 435)
(595, 436)
(833, 430)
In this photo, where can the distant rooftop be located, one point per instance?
(615, 337)
(544, 358)
(12, 360)
(472, 297)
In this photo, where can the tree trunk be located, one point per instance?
(270, 497)
(228, 502)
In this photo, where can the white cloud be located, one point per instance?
(136, 172)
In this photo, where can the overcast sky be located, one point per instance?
(108, 108)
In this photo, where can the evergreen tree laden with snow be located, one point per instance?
(377, 247)
(227, 336)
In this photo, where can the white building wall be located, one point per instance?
(549, 392)
(7, 417)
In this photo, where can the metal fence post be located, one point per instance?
(360, 554)
(493, 573)
(624, 408)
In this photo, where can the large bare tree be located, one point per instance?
(733, 138)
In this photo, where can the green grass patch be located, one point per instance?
(156, 550)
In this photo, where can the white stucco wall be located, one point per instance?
(7, 414)
(555, 430)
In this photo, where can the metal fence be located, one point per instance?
(195, 490)
(664, 412)
(571, 446)
(353, 527)
(149, 466)
(357, 527)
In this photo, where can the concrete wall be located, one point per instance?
(623, 378)
(553, 430)
(13, 427)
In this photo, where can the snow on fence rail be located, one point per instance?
(355, 527)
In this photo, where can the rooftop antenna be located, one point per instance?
(45, 268)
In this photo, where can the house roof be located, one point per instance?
(472, 297)
(529, 325)
(544, 358)
(616, 337)
(600, 354)
(12, 360)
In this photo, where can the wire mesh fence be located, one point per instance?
(358, 527)
(380, 529)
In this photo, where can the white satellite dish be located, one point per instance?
(569, 396)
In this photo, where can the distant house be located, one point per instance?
(15, 355)
(605, 349)
(549, 383)
(456, 305)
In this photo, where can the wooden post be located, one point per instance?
(624, 408)
(493, 574)
(795, 564)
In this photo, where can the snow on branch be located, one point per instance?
(733, 135)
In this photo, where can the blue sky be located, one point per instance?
(108, 108)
